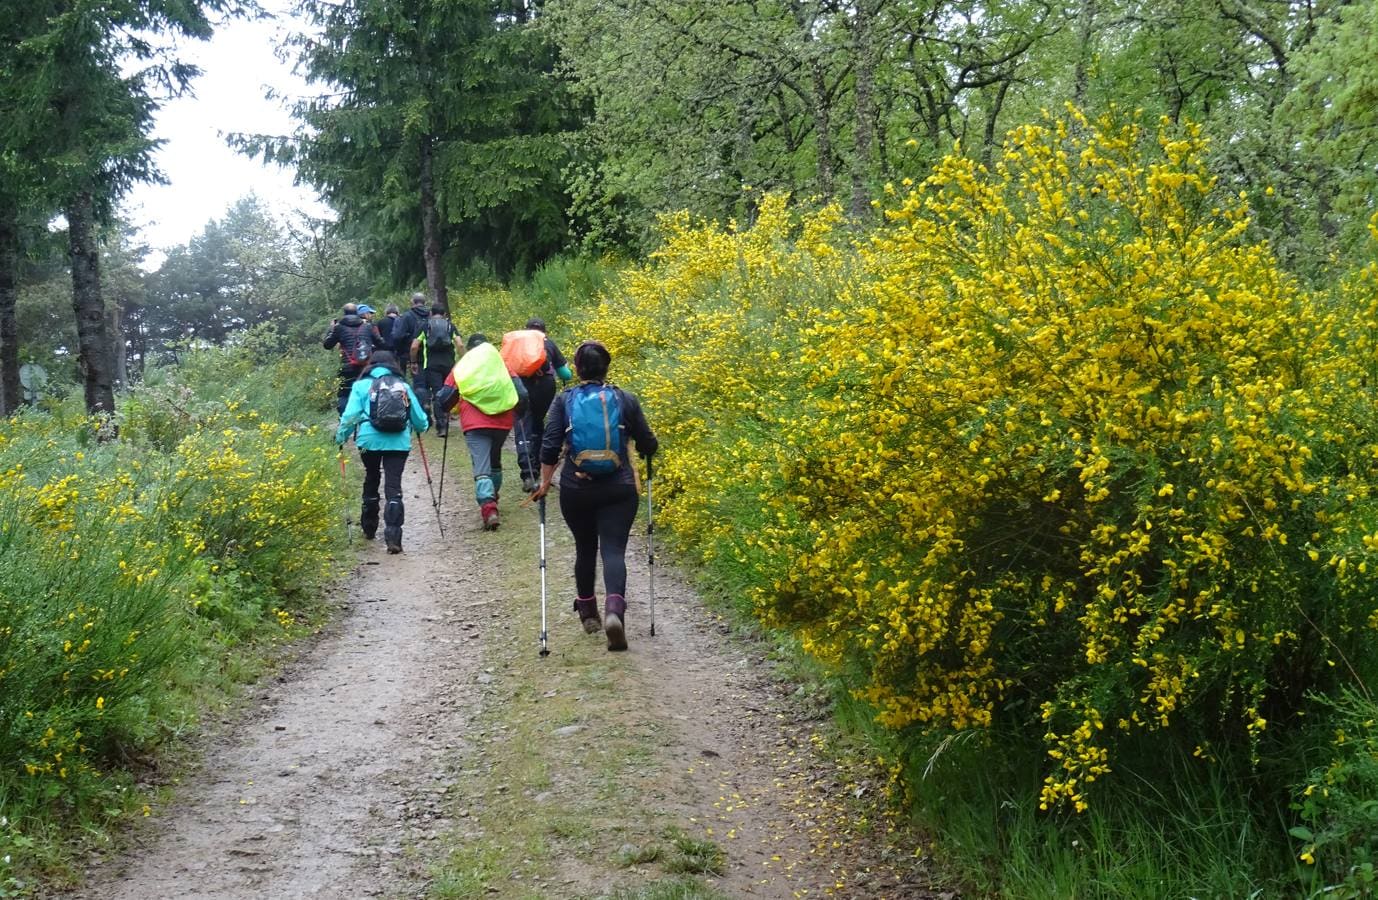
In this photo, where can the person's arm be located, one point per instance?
(419, 420)
(333, 337)
(557, 360)
(353, 413)
(638, 428)
(415, 353)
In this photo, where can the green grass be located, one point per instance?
(680, 888)
(552, 808)
(696, 857)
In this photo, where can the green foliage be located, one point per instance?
(1338, 803)
(244, 270)
(448, 105)
(128, 569)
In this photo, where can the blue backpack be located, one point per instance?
(594, 432)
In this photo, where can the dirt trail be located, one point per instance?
(339, 769)
(421, 735)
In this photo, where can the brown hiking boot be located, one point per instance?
(587, 608)
(614, 610)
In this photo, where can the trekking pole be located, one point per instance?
(651, 541)
(522, 442)
(545, 650)
(426, 466)
(344, 488)
(444, 448)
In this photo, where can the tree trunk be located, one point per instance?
(119, 359)
(865, 109)
(9, 295)
(92, 337)
(822, 128)
(1086, 29)
(430, 224)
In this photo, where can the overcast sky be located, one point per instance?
(205, 177)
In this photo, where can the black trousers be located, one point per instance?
(385, 466)
(426, 383)
(529, 429)
(600, 518)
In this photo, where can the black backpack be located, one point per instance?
(389, 406)
(438, 335)
(360, 348)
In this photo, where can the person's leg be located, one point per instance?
(615, 517)
(440, 419)
(583, 525)
(394, 461)
(542, 393)
(522, 438)
(479, 442)
(368, 515)
(499, 438)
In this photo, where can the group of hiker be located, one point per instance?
(497, 392)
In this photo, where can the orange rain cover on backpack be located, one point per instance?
(524, 351)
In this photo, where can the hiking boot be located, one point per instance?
(528, 485)
(587, 608)
(489, 511)
(393, 519)
(614, 610)
(368, 517)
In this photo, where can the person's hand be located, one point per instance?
(541, 490)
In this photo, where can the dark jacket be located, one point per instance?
(347, 334)
(636, 432)
(406, 328)
(385, 325)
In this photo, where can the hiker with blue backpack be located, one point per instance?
(593, 426)
(381, 413)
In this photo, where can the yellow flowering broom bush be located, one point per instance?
(124, 566)
(1055, 450)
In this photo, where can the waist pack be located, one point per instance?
(595, 433)
(389, 406)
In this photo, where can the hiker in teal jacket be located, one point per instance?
(381, 450)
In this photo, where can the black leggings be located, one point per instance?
(600, 518)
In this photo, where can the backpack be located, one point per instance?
(389, 407)
(362, 346)
(438, 334)
(594, 432)
(524, 351)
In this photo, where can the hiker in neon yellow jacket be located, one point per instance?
(384, 453)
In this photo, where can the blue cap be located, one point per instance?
(365, 309)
